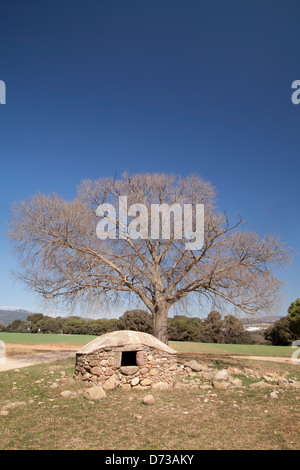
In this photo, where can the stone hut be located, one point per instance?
(127, 359)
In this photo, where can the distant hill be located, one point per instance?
(7, 316)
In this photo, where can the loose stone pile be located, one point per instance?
(154, 365)
(187, 375)
(192, 374)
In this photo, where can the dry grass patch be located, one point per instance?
(180, 419)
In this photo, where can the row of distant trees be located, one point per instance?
(213, 329)
(180, 328)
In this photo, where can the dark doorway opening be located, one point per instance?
(128, 358)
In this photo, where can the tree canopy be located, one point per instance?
(63, 258)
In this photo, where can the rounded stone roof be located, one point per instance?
(125, 338)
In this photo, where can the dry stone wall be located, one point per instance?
(105, 367)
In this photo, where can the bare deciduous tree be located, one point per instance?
(62, 257)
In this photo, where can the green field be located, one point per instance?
(182, 347)
(30, 338)
(232, 349)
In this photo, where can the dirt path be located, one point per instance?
(24, 355)
(265, 358)
(17, 362)
(25, 348)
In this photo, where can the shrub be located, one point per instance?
(280, 333)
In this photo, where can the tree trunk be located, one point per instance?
(160, 319)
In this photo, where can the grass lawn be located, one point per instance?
(31, 338)
(39, 418)
(207, 348)
(230, 349)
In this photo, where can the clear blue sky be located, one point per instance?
(98, 87)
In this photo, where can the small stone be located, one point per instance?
(110, 361)
(221, 385)
(111, 383)
(260, 385)
(236, 370)
(146, 382)
(54, 385)
(148, 400)
(161, 386)
(126, 387)
(138, 417)
(207, 376)
(135, 381)
(273, 395)
(180, 385)
(282, 382)
(222, 375)
(237, 382)
(295, 384)
(140, 358)
(3, 413)
(96, 371)
(95, 393)
(86, 376)
(129, 370)
(93, 363)
(194, 365)
(15, 404)
(139, 387)
(67, 394)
